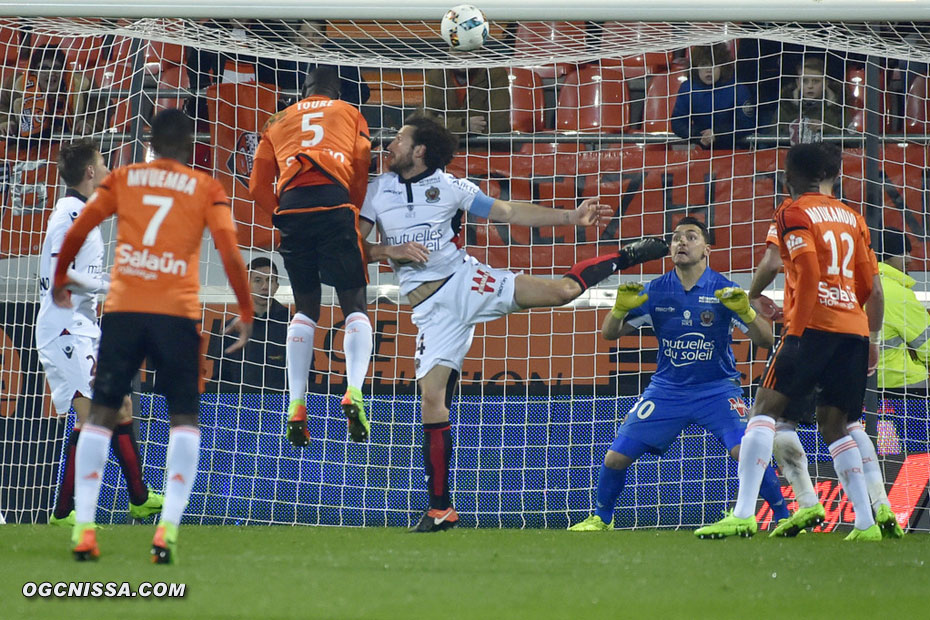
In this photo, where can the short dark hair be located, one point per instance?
(47, 52)
(323, 80)
(262, 262)
(173, 135)
(693, 221)
(808, 165)
(892, 242)
(74, 158)
(441, 144)
(717, 55)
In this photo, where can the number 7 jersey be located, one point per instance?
(162, 208)
(839, 238)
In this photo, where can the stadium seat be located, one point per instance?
(9, 44)
(553, 38)
(855, 99)
(593, 99)
(166, 54)
(660, 101)
(640, 65)
(172, 78)
(527, 113)
(917, 106)
(84, 52)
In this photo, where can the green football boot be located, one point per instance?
(886, 520)
(297, 433)
(729, 526)
(147, 508)
(870, 534)
(165, 544)
(84, 542)
(354, 410)
(68, 521)
(592, 524)
(811, 516)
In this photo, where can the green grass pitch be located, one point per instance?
(324, 572)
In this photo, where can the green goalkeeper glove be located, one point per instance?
(736, 299)
(629, 296)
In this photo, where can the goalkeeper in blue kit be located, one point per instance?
(693, 310)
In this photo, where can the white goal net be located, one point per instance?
(550, 112)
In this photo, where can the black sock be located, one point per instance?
(589, 272)
(437, 454)
(65, 503)
(127, 454)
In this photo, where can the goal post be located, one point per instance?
(591, 91)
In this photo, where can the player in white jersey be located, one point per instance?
(67, 338)
(416, 207)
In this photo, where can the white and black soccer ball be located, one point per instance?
(464, 28)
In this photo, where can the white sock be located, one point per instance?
(299, 352)
(357, 347)
(874, 481)
(181, 466)
(848, 464)
(792, 459)
(90, 458)
(755, 453)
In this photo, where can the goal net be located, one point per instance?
(565, 110)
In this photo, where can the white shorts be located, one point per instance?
(446, 319)
(69, 362)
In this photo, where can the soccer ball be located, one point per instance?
(464, 28)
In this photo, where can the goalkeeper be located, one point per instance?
(693, 310)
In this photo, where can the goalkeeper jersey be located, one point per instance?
(694, 331)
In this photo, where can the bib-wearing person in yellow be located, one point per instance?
(905, 348)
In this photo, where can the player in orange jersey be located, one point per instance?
(318, 151)
(788, 449)
(153, 310)
(830, 340)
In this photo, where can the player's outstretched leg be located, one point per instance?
(143, 502)
(299, 353)
(589, 272)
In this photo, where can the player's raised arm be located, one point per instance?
(589, 213)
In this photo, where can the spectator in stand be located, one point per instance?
(469, 100)
(206, 67)
(260, 365)
(811, 106)
(711, 108)
(905, 351)
(46, 98)
(352, 88)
